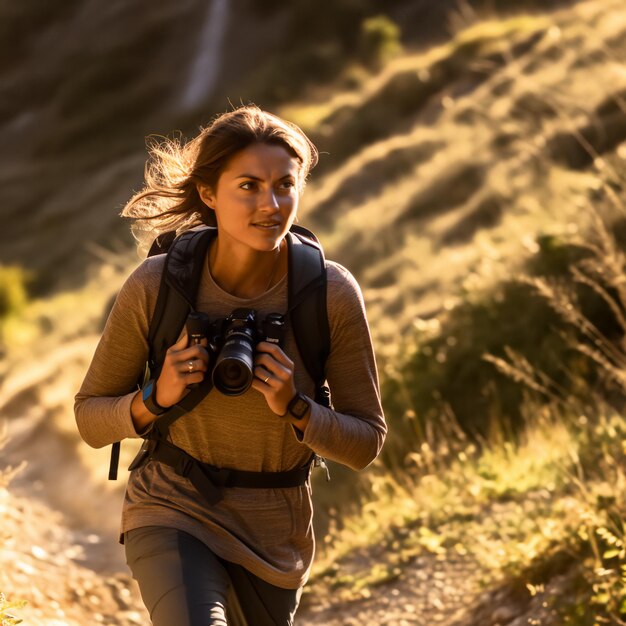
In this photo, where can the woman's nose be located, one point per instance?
(269, 201)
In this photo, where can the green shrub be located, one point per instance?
(13, 290)
(6, 617)
(557, 329)
(380, 41)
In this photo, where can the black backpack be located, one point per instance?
(306, 304)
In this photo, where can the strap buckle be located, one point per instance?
(217, 476)
(144, 453)
(320, 461)
(322, 396)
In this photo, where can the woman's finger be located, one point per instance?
(274, 350)
(194, 352)
(194, 377)
(274, 367)
(264, 375)
(277, 391)
(191, 365)
(181, 344)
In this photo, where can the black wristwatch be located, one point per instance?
(298, 406)
(148, 395)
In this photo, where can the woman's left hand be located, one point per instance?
(273, 373)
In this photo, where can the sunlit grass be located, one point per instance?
(64, 315)
(485, 37)
(7, 608)
(436, 491)
(523, 496)
(507, 509)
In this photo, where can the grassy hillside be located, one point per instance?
(447, 166)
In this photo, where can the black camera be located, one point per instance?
(233, 340)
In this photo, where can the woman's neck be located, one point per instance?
(246, 274)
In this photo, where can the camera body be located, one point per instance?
(233, 341)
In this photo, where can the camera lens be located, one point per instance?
(232, 378)
(232, 374)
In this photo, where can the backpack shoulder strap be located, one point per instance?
(178, 291)
(307, 299)
(162, 243)
(177, 295)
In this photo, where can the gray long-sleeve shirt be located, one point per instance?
(268, 531)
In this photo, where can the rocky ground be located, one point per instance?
(45, 564)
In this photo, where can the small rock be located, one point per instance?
(22, 566)
(39, 553)
(503, 614)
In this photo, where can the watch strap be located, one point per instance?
(148, 395)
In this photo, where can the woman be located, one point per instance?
(245, 558)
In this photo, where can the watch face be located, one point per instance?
(299, 407)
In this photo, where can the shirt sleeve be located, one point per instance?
(102, 406)
(353, 431)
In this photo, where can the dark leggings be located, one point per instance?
(183, 582)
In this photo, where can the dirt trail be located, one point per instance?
(48, 565)
(428, 591)
(59, 518)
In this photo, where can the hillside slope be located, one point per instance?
(83, 83)
(454, 161)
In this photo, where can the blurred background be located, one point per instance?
(472, 173)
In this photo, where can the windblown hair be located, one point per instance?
(170, 200)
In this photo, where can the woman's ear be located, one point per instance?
(206, 195)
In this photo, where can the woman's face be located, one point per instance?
(256, 197)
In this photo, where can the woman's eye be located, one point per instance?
(251, 185)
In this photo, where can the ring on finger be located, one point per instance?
(266, 379)
(190, 366)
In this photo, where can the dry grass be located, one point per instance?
(513, 506)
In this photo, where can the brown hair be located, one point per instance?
(170, 200)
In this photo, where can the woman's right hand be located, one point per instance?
(173, 380)
(182, 366)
